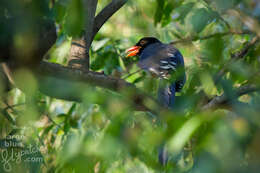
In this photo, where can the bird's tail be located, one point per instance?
(166, 93)
(166, 96)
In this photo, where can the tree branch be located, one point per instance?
(79, 55)
(234, 57)
(90, 10)
(196, 38)
(106, 13)
(68, 83)
(248, 21)
(219, 15)
(254, 26)
(223, 100)
(79, 52)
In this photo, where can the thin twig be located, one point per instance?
(16, 105)
(234, 57)
(51, 120)
(130, 74)
(223, 99)
(249, 21)
(196, 38)
(12, 106)
(219, 16)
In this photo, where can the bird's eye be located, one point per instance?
(142, 42)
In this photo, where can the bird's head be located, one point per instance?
(140, 45)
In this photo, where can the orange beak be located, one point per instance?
(132, 51)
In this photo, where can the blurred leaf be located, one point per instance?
(7, 116)
(184, 10)
(224, 5)
(59, 11)
(105, 133)
(163, 11)
(208, 84)
(111, 63)
(66, 127)
(98, 62)
(139, 79)
(67, 122)
(74, 20)
(96, 45)
(200, 19)
(46, 130)
(159, 11)
(213, 50)
(167, 13)
(177, 142)
(72, 109)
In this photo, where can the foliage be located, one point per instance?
(104, 133)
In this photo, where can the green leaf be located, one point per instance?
(96, 45)
(178, 140)
(8, 116)
(111, 63)
(139, 79)
(59, 12)
(98, 63)
(47, 129)
(200, 19)
(66, 127)
(159, 11)
(72, 109)
(74, 20)
(213, 50)
(167, 14)
(224, 4)
(184, 10)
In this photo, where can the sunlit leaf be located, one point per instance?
(178, 140)
(96, 45)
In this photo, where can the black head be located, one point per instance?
(145, 41)
(140, 45)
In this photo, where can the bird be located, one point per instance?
(165, 62)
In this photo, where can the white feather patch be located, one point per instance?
(173, 63)
(153, 70)
(166, 67)
(165, 62)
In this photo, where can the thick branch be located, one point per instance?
(79, 55)
(93, 78)
(223, 100)
(68, 83)
(106, 13)
(79, 52)
(90, 10)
